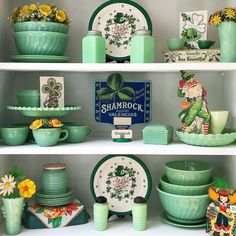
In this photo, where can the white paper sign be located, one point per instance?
(52, 91)
(193, 26)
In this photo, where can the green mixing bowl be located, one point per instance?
(184, 207)
(176, 43)
(184, 190)
(40, 43)
(186, 172)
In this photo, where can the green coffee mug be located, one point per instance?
(46, 137)
(28, 98)
(14, 135)
(77, 133)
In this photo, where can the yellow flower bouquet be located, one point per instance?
(227, 14)
(14, 185)
(45, 123)
(39, 12)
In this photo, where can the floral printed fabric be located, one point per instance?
(56, 217)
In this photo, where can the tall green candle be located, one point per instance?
(93, 47)
(100, 213)
(142, 47)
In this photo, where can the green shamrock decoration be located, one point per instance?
(115, 88)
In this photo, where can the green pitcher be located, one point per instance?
(12, 210)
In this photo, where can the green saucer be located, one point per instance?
(40, 194)
(39, 58)
(56, 201)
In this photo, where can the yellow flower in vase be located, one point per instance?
(32, 7)
(37, 124)
(216, 20)
(27, 188)
(25, 10)
(55, 123)
(46, 10)
(230, 13)
(7, 186)
(60, 16)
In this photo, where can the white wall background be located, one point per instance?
(79, 90)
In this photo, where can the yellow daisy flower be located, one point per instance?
(216, 20)
(46, 10)
(7, 186)
(230, 13)
(27, 188)
(25, 10)
(60, 16)
(32, 7)
(55, 123)
(37, 124)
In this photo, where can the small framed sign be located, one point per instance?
(122, 103)
(52, 91)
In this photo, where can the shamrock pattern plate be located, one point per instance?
(120, 179)
(118, 20)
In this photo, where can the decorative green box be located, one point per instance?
(157, 134)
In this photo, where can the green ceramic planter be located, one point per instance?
(186, 172)
(41, 26)
(184, 207)
(41, 43)
(184, 190)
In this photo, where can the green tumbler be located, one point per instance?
(100, 213)
(93, 47)
(139, 214)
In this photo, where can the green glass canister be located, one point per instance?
(54, 178)
(139, 214)
(100, 213)
(93, 47)
(142, 47)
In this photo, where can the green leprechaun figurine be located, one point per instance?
(194, 116)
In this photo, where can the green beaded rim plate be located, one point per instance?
(211, 140)
(121, 178)
(118, 20)
(44, 111)
(39, 58)
(55, 202)
(41, 194)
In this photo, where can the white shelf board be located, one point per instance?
(113, 67)
(116, 228)
(105, 146)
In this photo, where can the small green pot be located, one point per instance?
(28, 98)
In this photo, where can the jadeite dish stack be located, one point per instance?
(183, 191)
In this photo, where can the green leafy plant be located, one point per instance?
(115, 88)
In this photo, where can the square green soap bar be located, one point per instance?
(157, 134)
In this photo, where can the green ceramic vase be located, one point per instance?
(227, 34)
(12, 210)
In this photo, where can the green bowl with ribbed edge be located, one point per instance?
(41, 43)
(187, 172)
(184, 190)
(41, 26)
(184, 207)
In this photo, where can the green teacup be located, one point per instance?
(77, 133)
(218, 121)
(14, 135)
(28, 98)
(46, 137)
(176, 43)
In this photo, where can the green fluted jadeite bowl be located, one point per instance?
(41, 43)
(41, 26)
(184, 190)
(184, 207)
(186, 172)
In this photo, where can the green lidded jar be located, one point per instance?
(142, 47)
(139, 213)
(93, 47)
(54, 178)
(100, 213)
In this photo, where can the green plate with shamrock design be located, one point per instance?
(121, 178)
(118, 20)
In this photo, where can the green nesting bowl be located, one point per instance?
(184, 190)
(184, 207)
(186, 172)
(41, 26)
(175, 43)
(41, 43)
(205, 44)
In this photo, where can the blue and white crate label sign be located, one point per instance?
(116, 99)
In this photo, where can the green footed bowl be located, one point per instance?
(41, 26)
(184, 207)
(41, 43)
